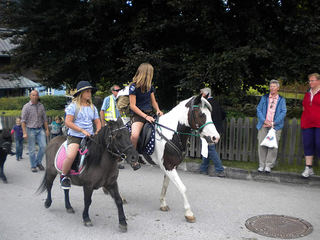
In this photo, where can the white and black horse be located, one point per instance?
(173, 130)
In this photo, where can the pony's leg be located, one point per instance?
(105, 190)
(114, 192)
(2, 160)
(174, 177)
(163, 203)
(3, 157)
(87, 202)
(49, 178)
(67, 201)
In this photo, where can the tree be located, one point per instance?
(229, 45)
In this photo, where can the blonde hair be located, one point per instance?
(77, 101)
(143, 77)
(317, 75)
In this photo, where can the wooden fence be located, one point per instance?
(239, 141)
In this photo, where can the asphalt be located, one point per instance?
(254, 175)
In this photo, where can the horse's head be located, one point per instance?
(119, 144)
(199, 118)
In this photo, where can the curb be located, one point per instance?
(254, 175)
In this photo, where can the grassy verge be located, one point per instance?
(254, 166)
(15, 113)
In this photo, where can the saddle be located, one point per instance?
(78, 164)
(146, 142)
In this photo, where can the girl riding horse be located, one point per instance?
(79, 116)
(142, 99)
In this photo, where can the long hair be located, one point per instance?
(77, 101)
(143, 77)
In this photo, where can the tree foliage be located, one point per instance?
(229, 45)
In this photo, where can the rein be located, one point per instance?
(116, 153)
(122, 154)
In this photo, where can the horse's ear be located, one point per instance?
(197, 100)
(119, 120)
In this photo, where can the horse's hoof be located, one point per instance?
(5, 180)
(88, 223)
(123, 228)
(47, 204)
(70, 210)
(165, 209)
(190, 219)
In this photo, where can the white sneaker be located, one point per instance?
(260, 169)
(267, 170)
(307, 172)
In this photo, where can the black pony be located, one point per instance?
(5, 149)
(105, 149)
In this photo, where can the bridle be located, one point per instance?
(193, 119)
(116, 152)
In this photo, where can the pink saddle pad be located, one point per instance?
(61, 156)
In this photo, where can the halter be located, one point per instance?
(117, 153)
(198, 129)
(122, 154)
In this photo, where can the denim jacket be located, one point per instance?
(279, 115)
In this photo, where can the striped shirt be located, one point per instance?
(34, 115)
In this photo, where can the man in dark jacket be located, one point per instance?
(218, 116)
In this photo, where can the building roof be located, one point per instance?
(6, 46)
(9, 81)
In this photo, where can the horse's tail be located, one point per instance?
(43, 185)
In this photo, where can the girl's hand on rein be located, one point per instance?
(87, 134)
(159, 113)
(150, 119)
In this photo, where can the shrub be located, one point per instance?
(49, 102)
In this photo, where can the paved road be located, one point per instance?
(221, 207)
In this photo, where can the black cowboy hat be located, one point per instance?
(83, 85)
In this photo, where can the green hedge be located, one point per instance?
(17, 113)
(49, 102)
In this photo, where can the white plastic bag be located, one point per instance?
(204, 148)
(270, 140)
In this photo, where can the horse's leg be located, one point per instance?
(87, 202)
(174, 177)
(67, 201)
(114, 192)
(49, 178)
(163, 203)
(3, 157)
(124, 201)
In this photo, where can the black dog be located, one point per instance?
(5, 149)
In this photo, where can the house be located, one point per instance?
(13, 86)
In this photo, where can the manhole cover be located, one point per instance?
(279, 226)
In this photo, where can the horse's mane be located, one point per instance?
(96, 147)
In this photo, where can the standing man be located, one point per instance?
(109, 109)
(218, 116)
(271, 112)
(34, 121)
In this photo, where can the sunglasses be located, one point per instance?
(116, 90)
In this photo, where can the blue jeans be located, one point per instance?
(19, 148)
(36, 135)
(212, 154)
